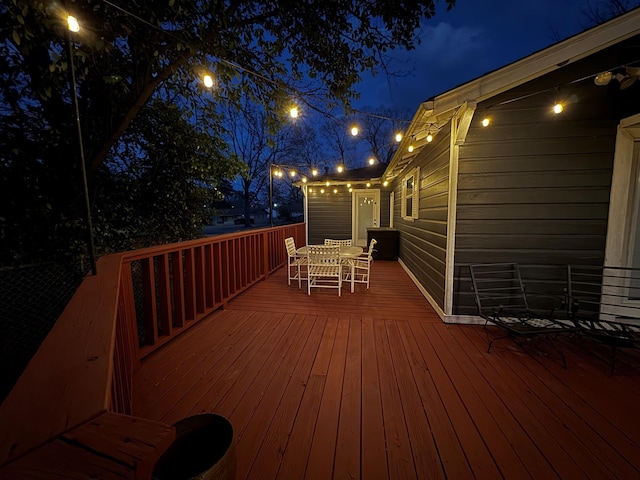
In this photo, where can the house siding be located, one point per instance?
(533, 188)
(329, 215)
(423, 241)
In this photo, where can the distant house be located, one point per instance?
(343, 205)
(533, 186)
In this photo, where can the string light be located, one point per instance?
(292, 173)
(368, 184)
(207, 80)
(429, 138)
(340, 168)
(486, 122)
(304, 179)
(314, 172)
(335, 190)
(73, 24)
(372, 161)
(385, 183)
(398, 137)
(354, 131)
(410, 148)
(293, 113)
(558, 108)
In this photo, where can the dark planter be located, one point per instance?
(203, 450)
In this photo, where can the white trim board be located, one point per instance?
(426, 294)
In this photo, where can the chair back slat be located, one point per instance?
(498, 286)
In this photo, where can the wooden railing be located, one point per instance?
(138, 301)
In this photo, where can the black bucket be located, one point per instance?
(203, 450)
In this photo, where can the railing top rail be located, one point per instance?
(173, 247)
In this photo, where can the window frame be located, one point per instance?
(415, 195)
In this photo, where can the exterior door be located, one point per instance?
(366, 213)
(620, 295)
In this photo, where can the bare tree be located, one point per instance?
(596, 12)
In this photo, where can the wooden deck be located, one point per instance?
(373, 385)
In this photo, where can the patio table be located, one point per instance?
(346, 251)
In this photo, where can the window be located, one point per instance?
(410, 194)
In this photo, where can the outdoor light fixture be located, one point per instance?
(429, 138)
(486, 122)
(314, 172)
(368, 184)
(292, 173)
(304, 179)
(372, 161)
(603, 78)
(410, 148)
(398, 137)
(340, 169)
(350, 190)
(354, 131)
(74, 26)
(293, 113)
(558, 108)
(328, 183)
(335, 190)
(385, 183)
(322, 190)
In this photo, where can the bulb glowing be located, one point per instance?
(73, 24)
(348, 185)
(429, 138)
(354, 131)
(293, 113)
(410, 148)
(328, 183)
(558, 108)
(292, 173)
(368, 184)
(486, 122)
(340, 169)
(372, 161)
(304, 179)
(335, 190)
(350, 190)
(322, 190)
(314, 172)
(207, 80)
(385, 183)
(398, 137)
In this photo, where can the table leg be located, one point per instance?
(353, 271)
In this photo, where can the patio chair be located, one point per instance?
(323, 267)
(295, 262)
(597, 301)
(361, 266)
(344, 243)
(501, 299)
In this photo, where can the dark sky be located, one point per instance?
(475, 37)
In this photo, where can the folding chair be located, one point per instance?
(501, 299)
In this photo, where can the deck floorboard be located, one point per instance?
(373, 385)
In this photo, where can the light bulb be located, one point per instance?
(354, 131)
(368, 184)
(335, 190)
(410, 148)
(350, 190)
(207, 80)
(314, 172)
(398, 137)
(348, 185)
(73, 24)
(385, 183)
(328, 183)
(304, 179)
(293, 113)
(485, 122)
(429, 138)
(372, 161)
(558, 108)
(322, 190)
(292, 173)
(340, 168)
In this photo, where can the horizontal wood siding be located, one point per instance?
(534, 187)
(423, 242)
(329, 214)
(384, 206)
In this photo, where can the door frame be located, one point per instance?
(354, 212)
